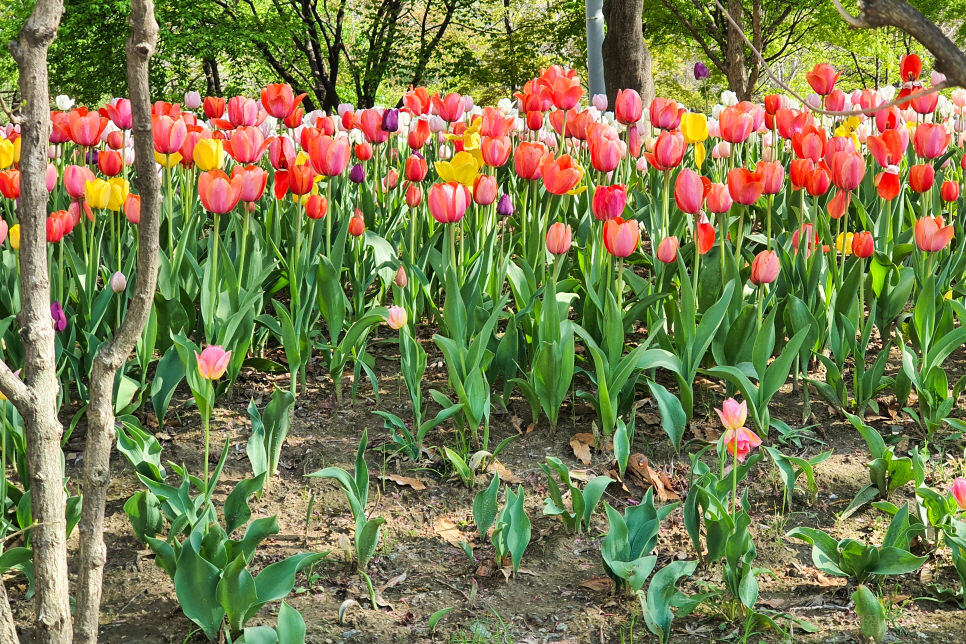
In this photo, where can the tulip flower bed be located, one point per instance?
(463, 323)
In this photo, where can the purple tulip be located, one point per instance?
(91, 157)
(390, 120)
(59, 317)
(357, 174)
(505, 206)
(701, 71)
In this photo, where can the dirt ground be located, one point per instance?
(561, 593)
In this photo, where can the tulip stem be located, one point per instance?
(741, 226)
(665, 217)
(734, 476)
(244, 245)
(768, 224)
(212, 280)
(620, 285)
(170, 203)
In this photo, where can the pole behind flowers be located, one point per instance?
(100, 416)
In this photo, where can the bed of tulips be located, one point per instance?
(557, 250)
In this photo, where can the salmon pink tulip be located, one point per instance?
(559, 238)
(667, 250)
(213, 362)
(621, 238)
(448, 201)
(739, 442)
(931, 235)
(765, 267)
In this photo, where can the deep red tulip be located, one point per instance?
(609, 202)
(949, 191)
(704, 235)
(921, 177)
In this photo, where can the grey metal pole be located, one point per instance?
(594, 10)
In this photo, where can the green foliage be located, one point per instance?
(630, 538)
(583, 502)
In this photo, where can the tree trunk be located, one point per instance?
(627, 60)
(100, 415)
(212, 76)
(8, 628)
(38, 404)
(735, 54)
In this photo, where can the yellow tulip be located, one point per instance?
(209, 154)
(694, 127)
(16, 149)
(14, 235)
(97, 193)
(119, 192)
(302, 159)
(848, 243)
(700, 154)
(463, 169)
(6, 153)
(166, 160)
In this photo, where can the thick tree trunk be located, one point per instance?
(212, 76)
(100, 415)
(735, 53)
(8, 628)
(627, 60)
(38, 405)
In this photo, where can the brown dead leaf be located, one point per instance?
(517, 423)
(395, 581)
(412, 482)
(505, 474)
(774, 604)
(639, 468)
(599, 584)
(582, 448)
(707, 434)
(826, 581)
(898, 600)
(448, 531)
(483, 571)
(650, 418)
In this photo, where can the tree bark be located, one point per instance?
(212, 76)
(735, 53)
(627, 60)
(8, 627)
(37, 402)
(100, 415)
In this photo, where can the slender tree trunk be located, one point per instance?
(38, 405)
(627, 60)
(100, 416)
(212, 76)
(8, 628)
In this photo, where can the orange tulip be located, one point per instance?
(704, 235)
(921, 177)
(931, 235)
(561, 175)
(745, 187)
(528, 160)
(280, 101)
(822, 79)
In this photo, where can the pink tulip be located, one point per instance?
(958, 488)
(732, 413)
(397, 318)
(212, 362)
(740, 442)
(667, 250)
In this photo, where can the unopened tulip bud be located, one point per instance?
(390, 120)
(558, 238)
(357, 225)
(118, 282)
(357, 174)
(402, 280)
(505, 206)
(192, 100)
(600, 102)
(398, 317)
(667, 250)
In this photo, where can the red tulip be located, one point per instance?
(414, 195)
(450, 107)
(949, 191)
(316, 206)
(621, 238)
(85, 127)
(280, 101)
(485, 190)
(921, 177)
(294, 119)
(689, 191)
(281, 152)
(496, 150)
(605, 154)
(667, 250)
(704, 235)
(887, 119)
(329, 156)
(799, 172)
(765, 267)
(169, 134)
(818, 181)
(561, 175)
(863, 245)
(10, 184)
(848, 170)
(214, 107)
(744, 186)
(773, 103)
(120, 113)
(931, 235)
(628, 108)
(418, 134)
(838, 205)
(218, 193)
(242, 111)
(253, 181)
(719, 198)
(668, 150)
(528, 160)
(448, 201)
(416, 168)
(664, 114)
(887, 183)
(609, 202)
(559, 238)
(736, 125)
(357, 224)
(109, 163)
(910, 67)
(931, 140)
(822, 79)
(772, 176)
(888, 148)
(809, 143)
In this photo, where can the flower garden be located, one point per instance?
(547, 370)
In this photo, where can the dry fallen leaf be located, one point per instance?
(517, 423)
(505, 474)
(774, 604)
(448, 531)
(640, 469)
(600, 584)
(582, 449)
(413, 482)
(395, 581)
